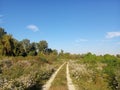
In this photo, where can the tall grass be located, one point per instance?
(26, 73)
(96, 73)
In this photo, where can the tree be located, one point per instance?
(2, 32)
(7, 44)
(42, 45)
(26, 45)
(19, 49)
(48, 51)
(33, 49)
(16, 49)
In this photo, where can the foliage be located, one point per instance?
(24, 74)
(2, 32)
(42, 45)
(7, 44)
(12, 47)
(96, 72)
(87, 77)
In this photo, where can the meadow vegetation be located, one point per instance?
(23, 74)
(91, 72)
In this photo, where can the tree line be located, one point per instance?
(9, 46)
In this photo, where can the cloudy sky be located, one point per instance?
(76, 26)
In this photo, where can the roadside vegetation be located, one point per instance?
(91, 72)
(23, 74)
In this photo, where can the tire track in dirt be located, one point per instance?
(48, 83)
(69, 80)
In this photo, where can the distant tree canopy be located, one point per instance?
(42, 45)
(2, 32)
(9, 46)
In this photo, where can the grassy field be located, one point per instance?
(28, 73)
(86, 78)
(96, 73)
(88, 72)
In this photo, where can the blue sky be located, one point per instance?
(76, 26)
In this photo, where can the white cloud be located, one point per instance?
(112, 34)
(33, 28)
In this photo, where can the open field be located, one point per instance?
(96, 73)
(25, 74)
(87, 72)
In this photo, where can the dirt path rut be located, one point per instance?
(69, 80)
(48, 84)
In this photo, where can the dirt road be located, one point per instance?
(68, 80)
(48, 84)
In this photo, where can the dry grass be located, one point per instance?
(23, 74)
(87, 78)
